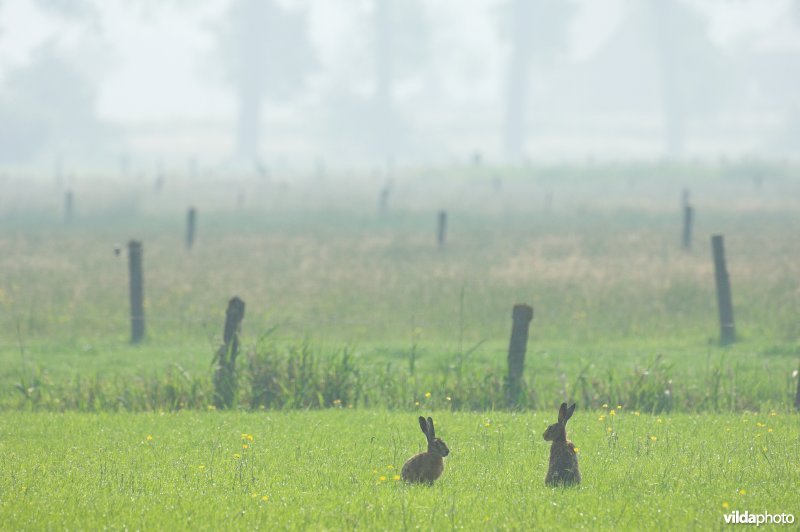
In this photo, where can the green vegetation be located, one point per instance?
(336, 469)
(355, 324)
(365, 309)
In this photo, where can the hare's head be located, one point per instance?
(435, 445)
(558, 431)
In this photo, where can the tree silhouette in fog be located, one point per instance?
(267, 53)
(537, 31)
(48, 104)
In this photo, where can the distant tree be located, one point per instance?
(48, 104)
(365, 110)
(691, 67)
(538, 33)
(267, 53)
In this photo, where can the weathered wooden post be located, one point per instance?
(797, 395)
(727, 329)
(521, 318)
(191, 217)
(68, 205)
(383, 203)
(442, 229)
(688, 218)
(225, 358)
(137, 290)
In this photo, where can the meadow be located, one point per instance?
(356, 323)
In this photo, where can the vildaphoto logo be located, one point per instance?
(747, 518)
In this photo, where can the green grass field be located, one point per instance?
(356, 324)
(336, 469)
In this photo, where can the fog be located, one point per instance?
(91, 83)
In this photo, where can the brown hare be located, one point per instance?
(428, 466)
(563, 470)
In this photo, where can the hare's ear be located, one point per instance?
(431, 431)
(570, 410)
(562, 413)
(424, 426)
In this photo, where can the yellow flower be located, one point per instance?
(636, 413)
(236, 456)
(773, 413)
(390, 466)
(265, 498)
(245, 446)
(427, 395)
(254, 495)
(759, 425)
(605, 405)
(396, 477)
(211, 407)
(250, 437)
(742, 492)
(726, 505)
(416, 403)
(149, 438)
(609, 429)
(653, 438)
(244, 436)
(658, 420)
(577, 450)
(448, 398)
(769, 430)
(382, 478)
(619, 407)
(601, 418)
(612, 413)
(201, 467)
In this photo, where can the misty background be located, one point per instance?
(99, 84)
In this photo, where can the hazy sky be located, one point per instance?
(157, 60)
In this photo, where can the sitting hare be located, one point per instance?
(427, 466)
(563, 470)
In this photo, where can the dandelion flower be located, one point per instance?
(619, 407)
(390, 466)
(636, 413)
(577, 450)
(236, 456)
(427, 395)
(254, 495)
(249, 437)
(396, 477)
(726, 505)
(653, 438)
(609, 429)
(265, 498)
(416, 403)
(742, 492)
(612, 413)
(601, 418)
(658, 420)
(382, 478)
(769, 430)
(245, 446)
(149, 438)
(201, 467)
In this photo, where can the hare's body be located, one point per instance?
(424, 467)
(428, 466)
(563, 469)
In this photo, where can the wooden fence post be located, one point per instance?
(688, 218)
(383, 202)
(225, 358)
(441, 229)
(797, 395)
(136, 290)
(521, 318)
(726, 324)
(191, 217)
(68, 205)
